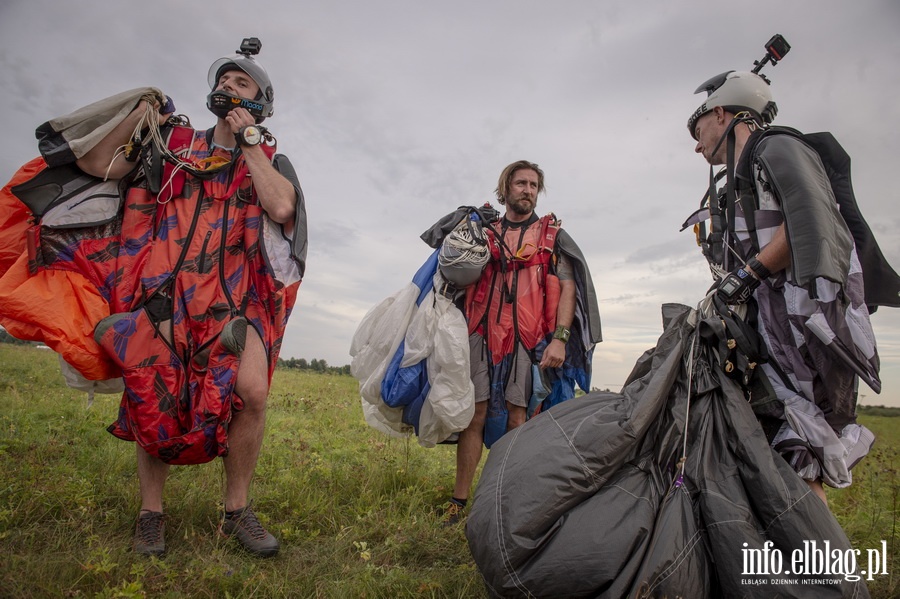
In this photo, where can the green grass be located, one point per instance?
(869, 510)
(356, 511)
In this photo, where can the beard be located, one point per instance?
(522, 206)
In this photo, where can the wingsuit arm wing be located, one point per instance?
(819, 240)
(587, 309)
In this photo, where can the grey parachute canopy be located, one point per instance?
(592, 499)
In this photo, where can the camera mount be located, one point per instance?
(250, 46)
(776, 49)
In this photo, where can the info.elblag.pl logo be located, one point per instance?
(816, 559)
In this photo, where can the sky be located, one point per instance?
(396, 112)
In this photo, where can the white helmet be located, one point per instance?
(736, 91)
(220, 102)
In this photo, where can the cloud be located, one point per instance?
(395, 113)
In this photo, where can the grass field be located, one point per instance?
(356, 511)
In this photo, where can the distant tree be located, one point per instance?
(878, 411)
(316, 365)
(5, 337)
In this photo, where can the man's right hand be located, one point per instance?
(163, 110)
(105, 160)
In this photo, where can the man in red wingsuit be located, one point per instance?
(203, 289)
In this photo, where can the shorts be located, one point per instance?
(519, 385)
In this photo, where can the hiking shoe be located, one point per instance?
(244, 526)
(149, 534)
(234, 336)
(453, 513)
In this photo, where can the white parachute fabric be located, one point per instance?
(375, 342)
(438, 333)
(410, 355)
(76, 380)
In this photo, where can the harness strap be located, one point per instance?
(730, 201)
(158, 170)
(501, 264)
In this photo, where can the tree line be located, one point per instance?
(7, 338)
(315, 365)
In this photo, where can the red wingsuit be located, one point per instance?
(198, 253)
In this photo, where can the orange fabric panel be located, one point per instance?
(14, 215)
(59, 308)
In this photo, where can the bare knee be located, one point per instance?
(516, 416)
(252, 384)
(478, 418)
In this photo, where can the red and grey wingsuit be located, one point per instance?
(198, 252)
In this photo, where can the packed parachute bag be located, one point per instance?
(667, 489)
(410, 352)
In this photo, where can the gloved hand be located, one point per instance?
(737, 287)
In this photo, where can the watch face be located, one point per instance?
(252, 135)
(729, 286)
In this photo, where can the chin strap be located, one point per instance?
(719, 233)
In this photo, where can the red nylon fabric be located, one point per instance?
(533, 313)
(203, 248)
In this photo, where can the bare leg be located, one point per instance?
(818, 489)
(152, 471)
(468, 451)
(516, 416)
(245, 434)
(152, 474)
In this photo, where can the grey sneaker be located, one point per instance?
(244, 526)
(149, 535)
(234, 335)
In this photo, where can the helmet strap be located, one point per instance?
(728, 133)
(730, 196)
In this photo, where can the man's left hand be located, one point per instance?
(554, 355)
(737, 287)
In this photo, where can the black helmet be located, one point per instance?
(221, 102)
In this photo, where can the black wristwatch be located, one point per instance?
(251, 135)
(758, 268)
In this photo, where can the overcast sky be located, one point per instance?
(397, 112)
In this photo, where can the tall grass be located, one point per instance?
(869, 510)
(356, 511)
